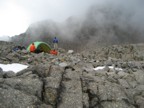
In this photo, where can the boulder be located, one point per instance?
(28, 86)
(140, 101)
(12, 98)
(9, 74)
(51, 90)
(139, 75)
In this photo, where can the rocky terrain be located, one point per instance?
(68, 80)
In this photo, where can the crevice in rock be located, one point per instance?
(69, 67)
(136, 106)
(49, 71)
(43, 90)
(91, 97)
(60, 90)
(82, 89)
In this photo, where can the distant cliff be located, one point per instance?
(98, 26)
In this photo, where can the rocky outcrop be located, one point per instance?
(68, 80)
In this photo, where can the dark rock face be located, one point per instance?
(9, 74)
(47, 83)
(1, 72)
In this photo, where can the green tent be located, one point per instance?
(40, 46)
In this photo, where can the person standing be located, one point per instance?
(55, 42)
(32, 48)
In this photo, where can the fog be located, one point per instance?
(17, 15)
(115, 21)
(92, 20)
(56, 10)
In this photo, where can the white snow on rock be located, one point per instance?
(15, 67)
(70, 51)
(63, 64)
(111, 67)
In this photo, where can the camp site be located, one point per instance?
(40, 47)
(71, 54)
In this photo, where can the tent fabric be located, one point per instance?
(44, 47)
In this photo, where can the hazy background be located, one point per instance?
(91, 21)
(17, 15)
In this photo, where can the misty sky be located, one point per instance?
(17, 15)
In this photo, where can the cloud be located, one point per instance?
(16, 19)
(4, 38)
(57, 10)
(17, 15)
(13, 19)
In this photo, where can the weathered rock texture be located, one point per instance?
(69, 81)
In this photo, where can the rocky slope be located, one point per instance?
(69, 80)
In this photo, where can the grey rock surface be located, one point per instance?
(69, 80)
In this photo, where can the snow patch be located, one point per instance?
(70, 51)
(15, 67)
(111, 67)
